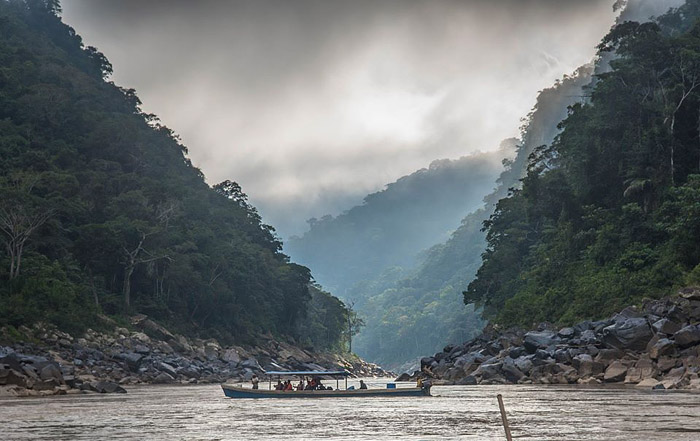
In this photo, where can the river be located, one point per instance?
(454, 412)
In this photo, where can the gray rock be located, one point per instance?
(690, 293)
(252, 364)
(631, 333)
(163, 378)
(688, 336)
(536, 340)
(566, 332)
(12, 377)
(132, 360)
(666, 326)
(516, 352)
(165, 367)
(488, 371)
(608, 355)
(469, 380)
(588, 337)
(562, 356)
(615, 372)
(583, 326)
(231, 356)
(142, 349)
(510, 371)
(665, 363)
(663, 347)
(51, 371)
(107, 387)
(585, 365)
(524, 364)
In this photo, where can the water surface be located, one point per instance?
(455, 412)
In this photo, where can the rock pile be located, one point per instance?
(58, 363)
(657, 346)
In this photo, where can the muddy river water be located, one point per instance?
(454, 412)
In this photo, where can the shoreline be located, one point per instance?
(56, 363)
(656, 347)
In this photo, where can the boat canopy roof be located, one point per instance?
(310, 373)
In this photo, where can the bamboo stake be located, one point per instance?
(504, 418)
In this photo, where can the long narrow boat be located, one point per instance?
(233, 391)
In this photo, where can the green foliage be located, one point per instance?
(608, 213)
(131, 225)
(325, 322)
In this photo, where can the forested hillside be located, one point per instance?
(101, 212)
(393, 226)
(420, 310)
(610, 212)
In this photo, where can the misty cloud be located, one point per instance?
(310, 105)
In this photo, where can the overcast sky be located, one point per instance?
(310, 105)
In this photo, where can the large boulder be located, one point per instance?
(469, 380)
(131, 359)
(688, 336)
(629, 333)
(585, 365)
(510, 371)
(588, 337)
(524, 364)
(252, 363)
(666, 326)
(230, 355)
(488, 371)
(163, 378)
(107, 387)
(642, 369)
(690, 293)
(535, 340)
(165, 367)
(11, 377)
(615, 372)
(51, 371)
(662, 347)
(566, 333)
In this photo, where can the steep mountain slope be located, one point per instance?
(102, 212)
(394, 225)
(419, 311)
(608, 214)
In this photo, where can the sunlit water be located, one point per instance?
(454, 412)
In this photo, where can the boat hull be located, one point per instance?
(240, 392)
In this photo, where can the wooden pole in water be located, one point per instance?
(504, 418)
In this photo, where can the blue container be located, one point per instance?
(391, 385)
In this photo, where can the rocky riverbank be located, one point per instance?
(52, 362)
(655, 346)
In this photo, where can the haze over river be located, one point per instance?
(455, 412)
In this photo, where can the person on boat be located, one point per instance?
(300, 386)
(313, 384)
(279, 385)
(288, 385)
(255, 381)
(362, 384)
(320, 385)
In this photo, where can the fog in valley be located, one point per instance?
(311, 105)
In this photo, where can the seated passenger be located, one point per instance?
(363, 385)
(279, 385)
(288, 385)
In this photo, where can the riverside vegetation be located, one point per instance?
(655, 347)
(411, 311)
(52, 362)
(607, 216)
(103, 217)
